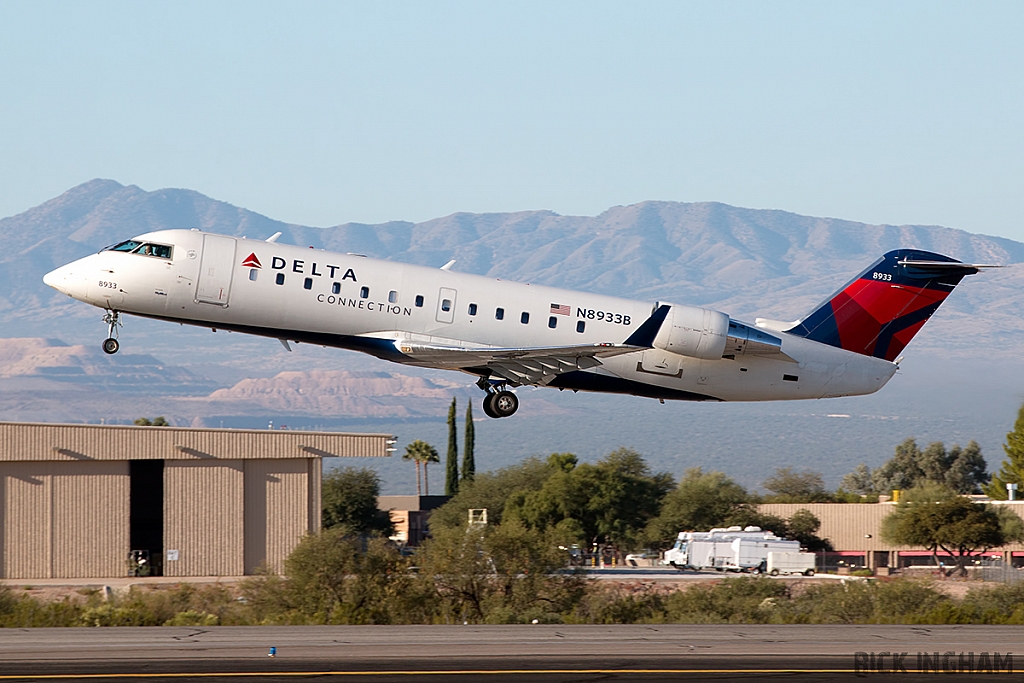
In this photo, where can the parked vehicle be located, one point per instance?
(733, 549)
(790, 563)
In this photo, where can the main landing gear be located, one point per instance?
(499, 401)
(113, 320)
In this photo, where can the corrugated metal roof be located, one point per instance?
(22, 441)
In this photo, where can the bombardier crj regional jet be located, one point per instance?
(510, 334)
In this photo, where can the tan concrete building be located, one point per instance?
(854, 529)
(77, 500)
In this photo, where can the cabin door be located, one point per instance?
(215, 270)
(445, 305)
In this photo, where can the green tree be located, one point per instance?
(701, 501)
(349, 499)
(468, 456)
(491, 490)
(858, 481)
(334, 577)
(901, 471)
(1012, 470)
(422, 453)
(498, 574)
(610, 501)
(967, 471)
(803, 526)
(789, 485)
(155, 422)
(451, 463)
(961, 469)
(957, 526)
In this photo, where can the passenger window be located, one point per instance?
(499, 314)
(280, 278)
(552, 322)
(364, 292)
(253, 274)
(580, 326)
(419, 301)
(393, 297)
(336, 288)
(446, 305)
(525, 318)
(472, 309)
(308, 284)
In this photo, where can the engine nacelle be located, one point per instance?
(693, 332)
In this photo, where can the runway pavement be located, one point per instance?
(509, 653)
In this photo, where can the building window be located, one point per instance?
(280, 278)
(336, 288)
(364, 292)
(393, 297)
(419, 301)
(552, 322)
(581, 326)
(472, 309)
(253, 274)
(308, 284)
(525, 318)
(499, 314)
(446, 305)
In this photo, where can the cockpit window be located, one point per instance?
(158, 250)
(127, 245)
(144, 248)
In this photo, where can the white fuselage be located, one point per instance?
(350, 301)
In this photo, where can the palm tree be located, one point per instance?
(422, 453)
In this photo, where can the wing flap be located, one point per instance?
(538, 365)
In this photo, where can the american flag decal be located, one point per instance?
(561, 309)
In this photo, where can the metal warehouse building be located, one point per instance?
(77, 500)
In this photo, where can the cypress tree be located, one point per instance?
(451, 480)
(1012, 471)
(468, 462)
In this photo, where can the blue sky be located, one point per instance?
(321, 113)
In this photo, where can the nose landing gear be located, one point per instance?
(113, 320)
(499, 401)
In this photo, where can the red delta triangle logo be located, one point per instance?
(251, 261)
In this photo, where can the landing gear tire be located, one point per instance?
(488, 411)
(110, 345)
(502, 404)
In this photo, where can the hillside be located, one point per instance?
(746, 262)
(960, 379)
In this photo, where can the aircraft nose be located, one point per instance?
(58, 279)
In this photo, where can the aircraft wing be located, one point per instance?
(520, 366)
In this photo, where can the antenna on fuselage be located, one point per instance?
(273, 238)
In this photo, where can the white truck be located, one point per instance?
(790, 563)
(731, 549)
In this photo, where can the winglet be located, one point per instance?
(273, 238)
(645, 334)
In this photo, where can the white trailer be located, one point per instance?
(731, 549)
(790, 563)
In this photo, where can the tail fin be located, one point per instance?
(880, 311)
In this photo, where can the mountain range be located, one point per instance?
(957, 383)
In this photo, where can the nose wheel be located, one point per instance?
(113, 320)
